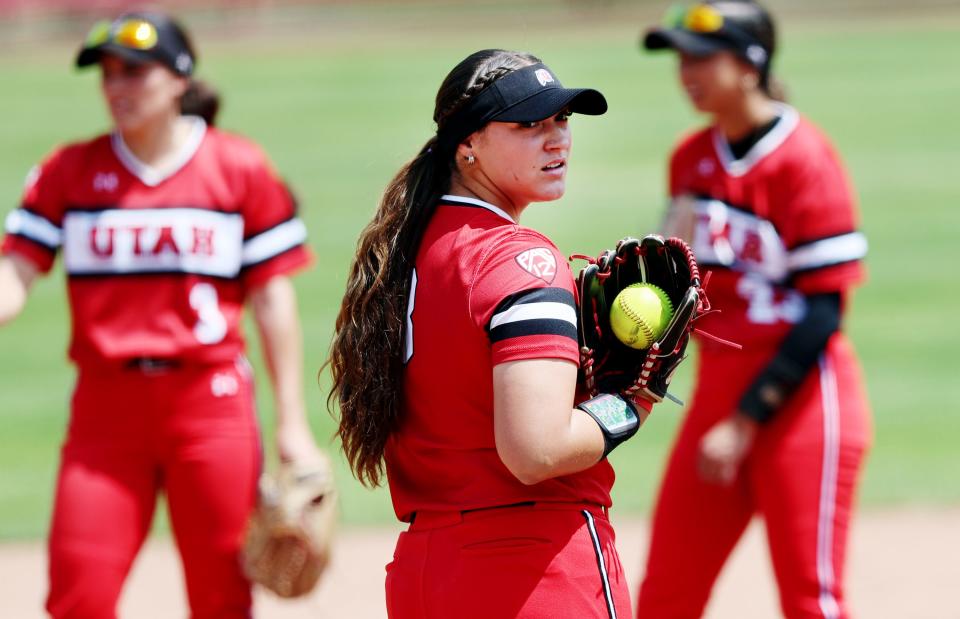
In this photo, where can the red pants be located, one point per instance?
(539, 561)
(801, 477)
(190, 432)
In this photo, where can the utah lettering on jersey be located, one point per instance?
(177, 240)
(736, 239)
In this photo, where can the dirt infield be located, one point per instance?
(903, 564)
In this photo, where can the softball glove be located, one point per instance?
(606, 364)
(287, 546)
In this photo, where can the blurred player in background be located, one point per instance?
(780, 428)
(167, 228)
(455, 364)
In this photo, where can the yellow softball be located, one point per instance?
(639, 314)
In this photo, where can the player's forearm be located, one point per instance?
(573, 445)
(538, 434)
(16, 277)
(797, 355)
(274, 307)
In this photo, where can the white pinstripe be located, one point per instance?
(828, 489)
(601, 562)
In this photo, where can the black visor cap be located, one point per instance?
(688, 42)
(534, 93)
(171, 49)
(529, 94)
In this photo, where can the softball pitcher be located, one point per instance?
(167, 228)
(779, 429)
(455, 364)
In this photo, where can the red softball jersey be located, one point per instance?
(484, 291)
(158, 261)
(773, 226)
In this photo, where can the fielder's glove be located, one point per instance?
(608, 366)
(287, 546)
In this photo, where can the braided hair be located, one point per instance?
(366, 355)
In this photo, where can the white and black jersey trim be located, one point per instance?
(601, 564)
(272, 242)
(152, 176)
(789, 119)
(31, 226)
(463, 201)
(827, 252)
(540, 311)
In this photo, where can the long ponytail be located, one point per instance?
(366, 355)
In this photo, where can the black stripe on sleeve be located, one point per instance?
(52, 249)
(536, 295)
(542, 326)
(547, 325)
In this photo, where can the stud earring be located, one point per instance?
(470, 159)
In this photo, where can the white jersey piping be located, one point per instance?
(789, 119)
(153, 176)
(828, 489)
(476, 202)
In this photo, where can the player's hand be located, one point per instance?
(723, 448)
(295, 443)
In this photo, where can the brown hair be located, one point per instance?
(201, 99)
(366, 356)
(756, 21)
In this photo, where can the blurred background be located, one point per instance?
(340, 94)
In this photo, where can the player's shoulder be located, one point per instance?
(69, 158)
(79, 150)
(234, 149)
(808, 150)
(696, 139)
(692, 145)
(510, 239)
(520, 249)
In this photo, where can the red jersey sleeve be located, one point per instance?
(274, 237)
(523, 296)
(825, 248)
(34, 230)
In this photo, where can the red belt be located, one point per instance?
(151, 365)
(432, 519)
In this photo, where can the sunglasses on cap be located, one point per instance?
(702, 30)
(701, 18)
(139, 37)
(132, 33)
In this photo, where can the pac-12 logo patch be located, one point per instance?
(539, 262)
(543, 76)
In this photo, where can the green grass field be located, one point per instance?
(340, 111)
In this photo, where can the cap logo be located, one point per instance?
(183, 62)
(539, 262)
(543, 76)
(756, 54)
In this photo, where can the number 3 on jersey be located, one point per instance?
(411, 301)
(211, 326)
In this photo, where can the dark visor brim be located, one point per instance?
(685, 41)
(551, 101)
(92, 55)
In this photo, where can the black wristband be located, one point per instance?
(616, 416)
